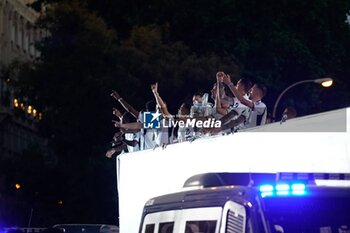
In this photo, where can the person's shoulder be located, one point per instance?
(259, 104)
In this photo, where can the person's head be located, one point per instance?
(184, 109)
(127, 117)
(244, 85)
(151, 106)
(257, 92)
(290, 112)
(197, 97)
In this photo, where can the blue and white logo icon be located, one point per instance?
(151, 120)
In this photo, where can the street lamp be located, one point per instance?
(325, 82)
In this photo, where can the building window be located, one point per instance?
(31, 42)
(12, 27)
(19, 32)
(2, 18)
(26, 41)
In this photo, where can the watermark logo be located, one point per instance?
(151, 120)
(192, 123)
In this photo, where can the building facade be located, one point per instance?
(18, 35)
(17, 31)
(19, 135)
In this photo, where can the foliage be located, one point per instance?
(179, 71)
(274, 42)
(68, 82)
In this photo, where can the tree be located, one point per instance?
(148, 58)
(273, 42)
(68, 82)
(81, 61)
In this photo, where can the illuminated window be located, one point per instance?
(15, 103)
(29, 109)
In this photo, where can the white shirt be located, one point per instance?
(257, 115)
(184, 134)
(162, 136)
(132, 137)
(242, 110)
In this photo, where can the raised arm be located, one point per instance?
(218, 106)
(111, 151)
(239, 96)
(217, 99)
(159, 100)
(125, 105)
(228, 117)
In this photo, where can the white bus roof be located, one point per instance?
(315, 143)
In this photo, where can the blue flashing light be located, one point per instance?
(298, 186)
(298, 189)
(295, 189)
(298, 192)
(282, 193)
(282, 187)
(266, 188)
(266, 194)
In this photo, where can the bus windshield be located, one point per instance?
(308, 214)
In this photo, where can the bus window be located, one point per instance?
(149, 228)
(166, 227)
(200, 226)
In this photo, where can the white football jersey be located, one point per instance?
(242, 110)
(132, 137)
(257, 115)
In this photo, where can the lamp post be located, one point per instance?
(325, 82)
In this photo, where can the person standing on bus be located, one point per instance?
(258, 108)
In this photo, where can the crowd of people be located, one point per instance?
(234, 107)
